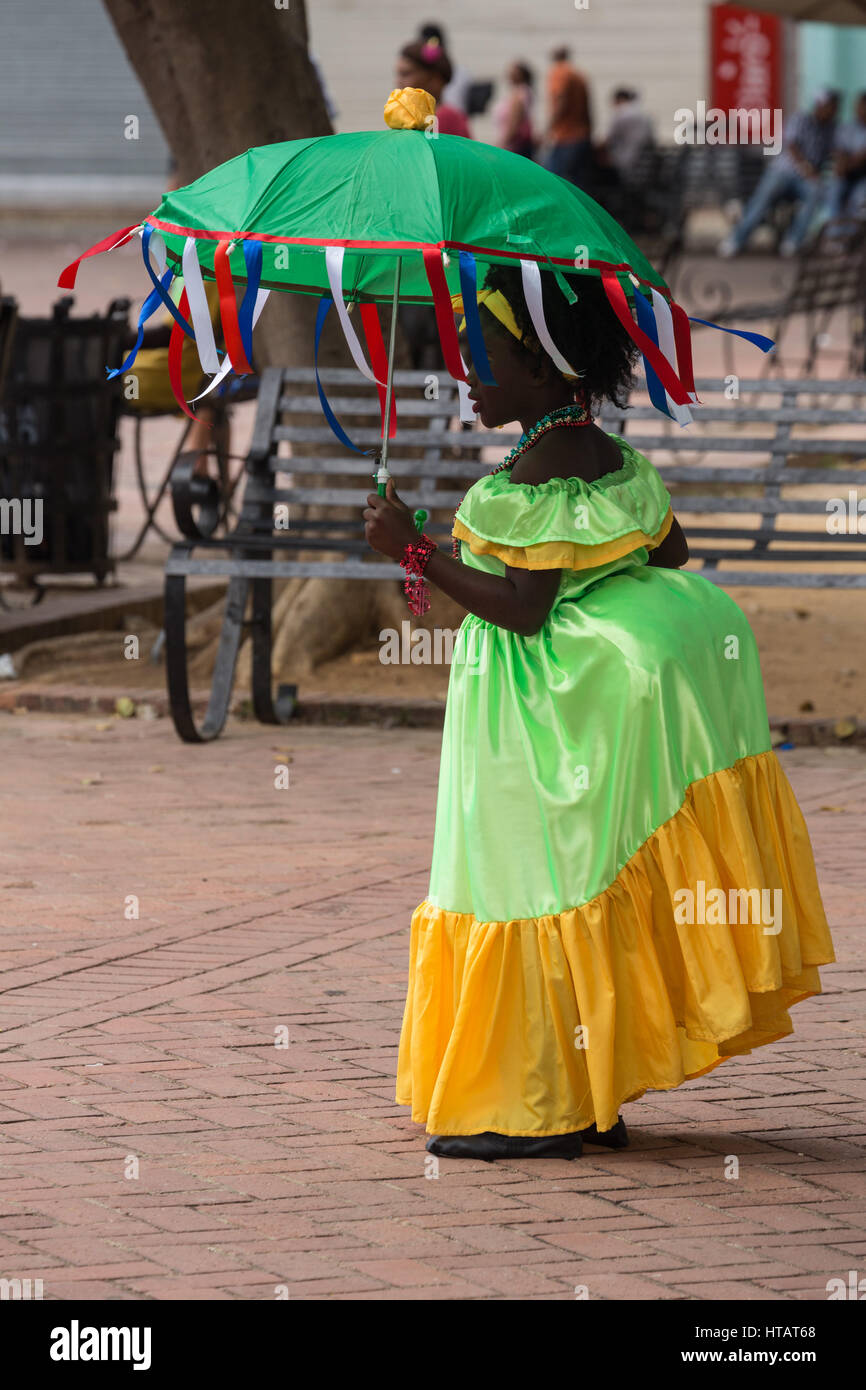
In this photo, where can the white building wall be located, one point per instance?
(66, 85)
(657, 46)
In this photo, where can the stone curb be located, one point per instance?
(386, 711)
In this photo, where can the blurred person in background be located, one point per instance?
(629, 135)
(793, 175)
(512, 114)
(847, 193)
(568, 142)
(428, 66)
(456, 93)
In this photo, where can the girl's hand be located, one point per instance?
(388, 523)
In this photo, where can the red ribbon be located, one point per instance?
(175, 358)
(683, 341)
(379, 363)
(67, 276)
(229, 311)
(444, 313)
(659, 363)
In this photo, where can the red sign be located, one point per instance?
(746, 59)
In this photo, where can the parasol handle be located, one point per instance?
(383, 475)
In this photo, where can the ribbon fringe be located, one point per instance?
(435, 272)
(532, 293)
(660, 328)
(229, 310)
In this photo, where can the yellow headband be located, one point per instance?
(496, 304)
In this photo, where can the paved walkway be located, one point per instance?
(156, 1143)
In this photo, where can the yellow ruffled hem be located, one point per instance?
(569, 555)
(546, 1025)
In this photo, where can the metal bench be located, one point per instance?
(8, 322)
(714, 502)
(232, 392)
(328, 485)
(828, 276)
(747, 479)
(649, 204)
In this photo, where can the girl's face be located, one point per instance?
(411, 74)
(519, 379)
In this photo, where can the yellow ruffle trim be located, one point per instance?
(547, 1025)
(569, 555)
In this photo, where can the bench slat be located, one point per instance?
(343, 481)
(735, 414)
(684, 502)
(726, 444)
(363, 467)
(283, 569)
(369, 405)
(785, 579)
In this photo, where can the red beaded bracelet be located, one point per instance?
(414, 561)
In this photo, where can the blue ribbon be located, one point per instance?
(757, 339)
(157, 285)
(253, 259)
(469, 291)
(646, 320)
(150, 305)
(321, 314)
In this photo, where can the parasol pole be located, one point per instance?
(382, 474)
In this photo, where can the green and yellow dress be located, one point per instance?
(622, 890)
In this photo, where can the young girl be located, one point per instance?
(622, 892)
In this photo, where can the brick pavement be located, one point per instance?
(148, 1045)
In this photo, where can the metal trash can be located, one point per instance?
(58, 437)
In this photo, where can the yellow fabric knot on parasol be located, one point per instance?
(409, 108)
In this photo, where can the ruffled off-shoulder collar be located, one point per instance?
(629, 506)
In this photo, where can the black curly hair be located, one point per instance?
(588, 333)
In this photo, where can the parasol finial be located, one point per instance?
(409, 108)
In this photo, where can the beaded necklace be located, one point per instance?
(567, 416)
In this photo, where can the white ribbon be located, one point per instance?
(334, 265)
(156, 251)
(226, 367)
(667, 338)
(467, 414)
(668, 350)
(534, 303)
(198, 309)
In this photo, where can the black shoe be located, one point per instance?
(490, 1146)
(616, 1138)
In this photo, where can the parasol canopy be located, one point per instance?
(404, 214)
(387, 194)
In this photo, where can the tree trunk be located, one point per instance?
(219, 87)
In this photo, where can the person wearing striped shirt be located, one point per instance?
(794, 174)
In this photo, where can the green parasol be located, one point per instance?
(401, 215)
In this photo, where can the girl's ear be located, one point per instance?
(542, 366)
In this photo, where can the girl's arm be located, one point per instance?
(673, 551)
(519, 601)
